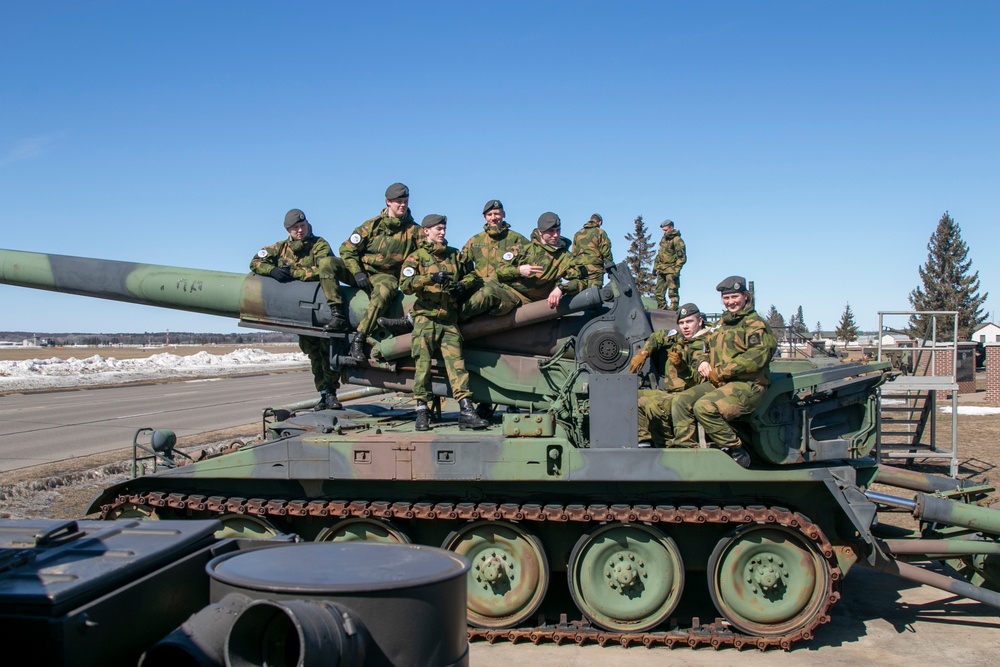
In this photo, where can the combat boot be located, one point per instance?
(358, 348)
(738, 454)
(468, 417)
(423, 417)
(328, 401)
(396, 326)
(338, 321)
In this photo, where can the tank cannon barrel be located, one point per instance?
(934, 509)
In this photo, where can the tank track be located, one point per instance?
(717, 634)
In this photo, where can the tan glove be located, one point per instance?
(637, 361)
(713, 377)
(675, 357)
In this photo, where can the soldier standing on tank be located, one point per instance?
(304, 256)
(495, 246)
(592, 250)
(671, 257)
(736, 364)
(435, 274)
(679, 373)
(373, 255)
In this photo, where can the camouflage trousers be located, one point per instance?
(429, 337)
(713, 408)
(655, 424)
(668, 284)
(494, 298)
(593, 277)
(385, 290)
(318, 351)
(332, 272)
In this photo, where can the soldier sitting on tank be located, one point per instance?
(373, 255)
(304, 256)
(592, 250)
(495, 246)
(736, 364)
(438, 278)
(655, 425)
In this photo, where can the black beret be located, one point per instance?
(433, 220)
(596, 218)
(492, 204)
(294, 217)
(397, 191)
(547, 221)
(687, 310)
(732, 284)
(666, 223)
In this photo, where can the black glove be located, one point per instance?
(362, 280)
(457, 290)
(281, 274)
(440, 277)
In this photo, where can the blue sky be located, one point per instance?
(811, 146)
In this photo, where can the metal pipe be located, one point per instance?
(892, 501)
(939, 581)
(942, 548)
(915, 481)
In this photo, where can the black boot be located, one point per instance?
(738, 454)
(423, 417)
(328, 401)
(402, 325)
(468, 417)
(338, 321)
(358, 348)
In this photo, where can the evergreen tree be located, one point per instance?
(775, 319)
(798, 323)
(947, 285)
(640, 258)
(847, 330)
(819, 328)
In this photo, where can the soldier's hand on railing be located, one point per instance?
(637, 361)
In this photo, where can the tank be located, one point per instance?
(573, 532)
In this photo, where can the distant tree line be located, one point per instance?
(151, 338)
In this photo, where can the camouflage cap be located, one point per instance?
(294, 217)
(666, 223)
(492, 204)
(596, 218)
(547, 221)
(732, 284)
(397, 191)
(687, 310)
(433, 220)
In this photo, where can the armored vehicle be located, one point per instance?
(574, 533)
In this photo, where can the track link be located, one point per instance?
(718, 634)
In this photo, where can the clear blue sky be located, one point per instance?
(811, 146)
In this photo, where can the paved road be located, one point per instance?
(54, 426)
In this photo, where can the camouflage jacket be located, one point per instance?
(301, 257)
(591, 246)
(381, 244)
(740, 348)
(672, 254)
(493, 247)
(685, 375)
(435, 301)
(558, 268)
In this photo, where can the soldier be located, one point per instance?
(736, 364)
(655, 426)
(667, 266)
(496, 245)
(304, 256)
(435, 274)
(592, 250)
(373, 255)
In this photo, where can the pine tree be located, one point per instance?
(847, 330)
(947, 285)
(640, 258)
(818, 329)
(798, 323)
(775, 320)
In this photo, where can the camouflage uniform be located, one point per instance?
(378, 248)
(309, 259)
(739, 350)
(491, 248)
(435, 316)
(667, 267)
(654, 404)
(591, 248)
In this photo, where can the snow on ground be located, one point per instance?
(56, 373)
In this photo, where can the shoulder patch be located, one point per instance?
(262, 253)
(408, 271)
(754, 338)
(507, 256)
(355, 238)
